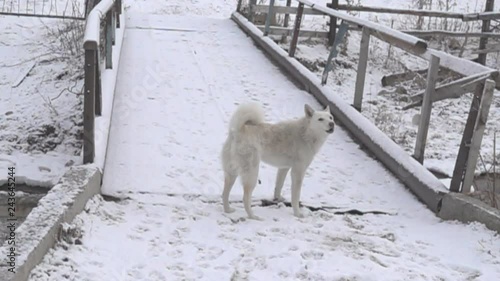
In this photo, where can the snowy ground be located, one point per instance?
(384, 105)
(167, 130)
(40, 102)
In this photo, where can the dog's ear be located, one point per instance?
(308, 110)
(327, 108)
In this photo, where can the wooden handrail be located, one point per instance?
(418, 44)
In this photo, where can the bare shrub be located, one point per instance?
(65, 38)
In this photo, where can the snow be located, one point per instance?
(31, 103)
(49, 211)
(180, 78)
(40, 101)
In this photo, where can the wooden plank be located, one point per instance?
(361, 72)
(251, 10)
(477, 137)
(375, 28)
(264, 9)
(391, 79)
(463, 152)
(428, 33)
(459, 65)
(425, 113)
(486, 51)
(423, 13)
(278, 30)
(455, 88)
(238, 6)
(296, 30)
(407, 42)
(334, 51)
(268, 17)
(333, 24)
(482, 16)
(287, 15)
(89, 107)
(481, 58)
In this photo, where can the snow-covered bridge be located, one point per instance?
(161, 126)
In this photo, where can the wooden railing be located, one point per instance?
(477, 78)
(485, 17)
(107, 11)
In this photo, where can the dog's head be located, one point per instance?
(320, 121)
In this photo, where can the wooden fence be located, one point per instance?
(476, 78)
(485, 17)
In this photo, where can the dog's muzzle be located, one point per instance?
(332, 127)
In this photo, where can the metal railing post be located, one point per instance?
(118, 12)
(108, 40)
(89, 106)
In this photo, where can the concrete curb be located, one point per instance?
(416, 177)
(457, 206)
(38, 233)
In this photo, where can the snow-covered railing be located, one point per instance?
(108, 11)
(477, 78)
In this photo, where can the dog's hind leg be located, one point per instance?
(297, 179)
(229, 180)
(280, 181)
(249, 181)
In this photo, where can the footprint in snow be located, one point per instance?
(312, 255)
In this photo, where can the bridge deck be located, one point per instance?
(179, 80)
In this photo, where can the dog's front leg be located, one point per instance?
(280, 181)
(297, 178)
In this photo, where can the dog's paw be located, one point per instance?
(279, 199)
(229, 210)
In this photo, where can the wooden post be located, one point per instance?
(238, 6)
(268, 18)
(296, 30)
(251, 12)
(119, 12)
(463, 152)
(89, 107)
(333, 51)
(483, 41)
(109, 40)
(361, 73)
(425, 113)
(333, 24)
(113, 26)
(287, 16)
(477, 137)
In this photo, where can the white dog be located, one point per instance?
(286, 145)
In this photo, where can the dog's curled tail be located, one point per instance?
(246, 114)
